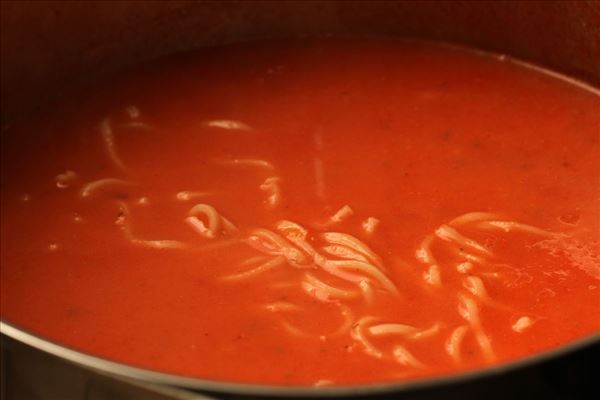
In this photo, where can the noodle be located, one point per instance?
(123, 222)
(367, 268)
(370, 224)
(449, 234)
(228, 225)
(404, 357)
(346, 323)
(353, 243)
(271, 186)
(342, 214)
(426, 333)
(367, 291)
(291, 230)
(475, 216)
(345, 253)
(65, 179)
(253, 260)
(484, 343)
(454, 342)
(228, 124)
(214, 220)
(133, 112)
(281, 306)
(510, 226)
(94, 186)
(137, 125)
(334, 270)
(475, 285)
(395, 329)
(275, 262)
(464, 267)
(269, 242)
(330, 290)
(186, 195)
(251, 162)
(423, 252)
(295, 331)
(470, 257)
(469, 311)
(108, 137)
(407, 331)
(358, 335)
(433, 276)
(297, 235)
(522, 324)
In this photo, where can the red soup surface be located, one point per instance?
(308, 213)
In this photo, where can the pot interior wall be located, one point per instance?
(49, 46)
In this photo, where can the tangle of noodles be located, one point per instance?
(269, 242)
(297, 235)
(369, 269)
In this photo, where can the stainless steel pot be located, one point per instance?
(48, 47)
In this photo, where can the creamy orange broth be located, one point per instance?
(326, 212)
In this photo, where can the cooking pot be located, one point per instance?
(50, 47)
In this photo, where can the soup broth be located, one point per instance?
(308, 213)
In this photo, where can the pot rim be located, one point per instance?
(123, 370)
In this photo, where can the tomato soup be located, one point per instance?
(308, 213)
